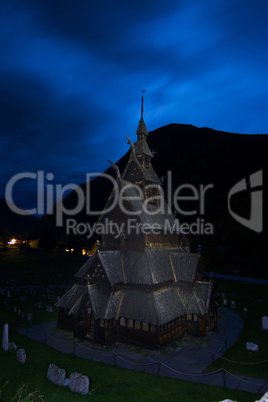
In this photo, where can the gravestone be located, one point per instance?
(56, 375)
(49, 309)
(252, 346)
(29, 317)
(265, 323)
(233, 306)
(79, 383)
(264, 398)
(5, 341)
(39, 305)
(225, 302)
(14, 309)
(21, 356)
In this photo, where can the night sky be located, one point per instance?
(72, 72)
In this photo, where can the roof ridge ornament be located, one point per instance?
(117, 171)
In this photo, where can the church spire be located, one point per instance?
(141, 147)
(142, 130)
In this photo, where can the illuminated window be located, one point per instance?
(137, 325)
(130, 323)
(145, 326)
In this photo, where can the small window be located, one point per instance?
(130, 323)
(137, 325)
(122, 322)
(145, 326)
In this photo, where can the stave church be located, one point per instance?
(142, 286)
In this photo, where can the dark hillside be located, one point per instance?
(197, 156)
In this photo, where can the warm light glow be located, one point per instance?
(12, 241)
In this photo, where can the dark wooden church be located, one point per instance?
(142, 286)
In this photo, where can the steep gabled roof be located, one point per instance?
(147, 174)
(147, 267)
(157, 307)
(73, 298)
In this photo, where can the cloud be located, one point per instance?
(71, 74)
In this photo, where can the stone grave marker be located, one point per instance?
(79, 383)
(14, 309)
(252, 346)
(21, 356)
(225, 302)
(265, 323)
(264, 398)
(49, 309)
(5, 341)
(56, 375)
(29, 317)
(233, 305)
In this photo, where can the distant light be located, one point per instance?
(12, 241)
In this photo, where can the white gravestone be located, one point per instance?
(252, 346)
(79, 383)
(21, 356)
(265, 323)
(56, 375)
(5, 341)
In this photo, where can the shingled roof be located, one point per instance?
(157, 307)
(146, 267)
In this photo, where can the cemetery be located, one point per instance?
(27, 306)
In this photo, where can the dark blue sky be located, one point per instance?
(71, 75)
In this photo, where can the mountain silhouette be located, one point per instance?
(186, 154)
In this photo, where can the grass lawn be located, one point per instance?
(36, 266)
(108, 383)
(255, 298)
